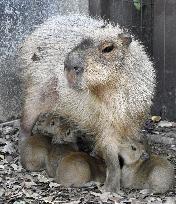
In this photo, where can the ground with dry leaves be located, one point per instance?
(18, 186)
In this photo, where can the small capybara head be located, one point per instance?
(65, 131)
(132, 151)
(94, 63)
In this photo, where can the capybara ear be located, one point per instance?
(126, 39)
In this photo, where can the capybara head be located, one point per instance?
(94, 63)
(132, 151)
(65, 131)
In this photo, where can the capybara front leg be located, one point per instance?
(113, 174)
(29, 150)
(113, 171)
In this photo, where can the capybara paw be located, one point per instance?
(111, 188)
(33, 152)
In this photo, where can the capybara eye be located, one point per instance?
(52, 123)
(133, 148)
(108, 49)
(68, 132)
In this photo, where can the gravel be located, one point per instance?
(19, 186)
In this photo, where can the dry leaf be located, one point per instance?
(43, 179)
(156, 118)
(14, 166)
(53, 184)
(170, 200)
(48, 199)
(8, 148)
(2, 191)
(19, 202)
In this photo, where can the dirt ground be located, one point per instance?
(19, 186)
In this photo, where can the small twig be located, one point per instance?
(9, 123)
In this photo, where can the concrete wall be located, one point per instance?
(17, 20)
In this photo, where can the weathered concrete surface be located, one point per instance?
(17, 20)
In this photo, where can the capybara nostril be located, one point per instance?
(144, 156)
(77, 69)
(75, 61)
